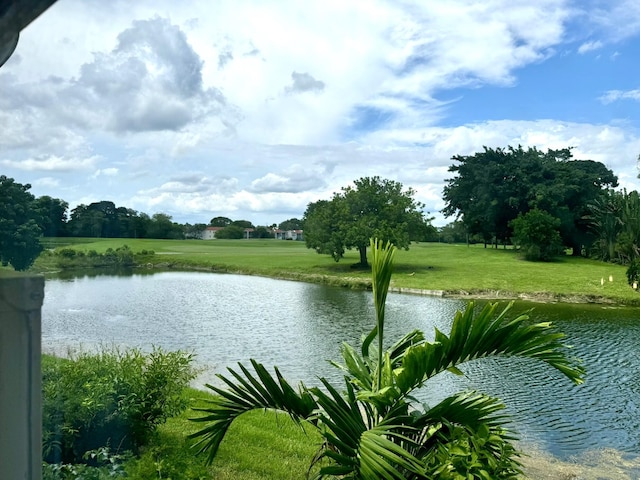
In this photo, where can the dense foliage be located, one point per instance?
(112, 399)
(20, 221)
(615, 220)
(374, 428)
(373, 207)
(491, 188)
(536, 235)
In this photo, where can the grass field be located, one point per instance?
(269, 446)
(453, 269)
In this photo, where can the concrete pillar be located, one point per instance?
(21, 298)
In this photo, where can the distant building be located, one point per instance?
(209, 233)
(288, 234)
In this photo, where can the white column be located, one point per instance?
(21, 298)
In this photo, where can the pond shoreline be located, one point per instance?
(355, 283)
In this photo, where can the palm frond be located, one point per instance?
(486, 334)
(249, 392)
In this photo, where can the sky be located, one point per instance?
(253, 109)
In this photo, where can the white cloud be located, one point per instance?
(590, 46)
(615, 95)
(258, 108)
(51, 163)
(105, 172)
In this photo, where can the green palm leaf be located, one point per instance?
(483, 335)
(249, 392)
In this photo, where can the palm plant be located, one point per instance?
(375, 428)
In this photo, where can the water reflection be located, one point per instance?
(226, 319)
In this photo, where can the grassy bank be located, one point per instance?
(453, 270)
(269, 446)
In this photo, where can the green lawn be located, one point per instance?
(455, 269)
(258, 446)
(270, 446)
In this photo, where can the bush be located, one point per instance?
(536, 234)
(111, 467)
(70, 258)
(633, 272)
(110, 399)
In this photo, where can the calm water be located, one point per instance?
(225, 319)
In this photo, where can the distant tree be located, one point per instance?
(231, 232)
(291, 224)
(372, 208)
(162, 226)
(19, 225)
(262, 232)
(536, 235)
(53, 213)
(453, 232)
(220, 222)
(614, 218)
(128, 222)
(242, 223)
(321, 227)
(491, 188)
(194, 231)
(605, 221)
(98, 219)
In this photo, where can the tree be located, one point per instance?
(536, 235)
(491, 188)
(53, 212)
(194, 231)
(373, 207)
(242, 223)
(291, 224)
(19, 225)
(162, 226)
(233, 232)
(614, 218)
(262, 232)
(220, 221)
(375, 428)
(98, 219)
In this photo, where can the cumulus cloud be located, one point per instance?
(303, 82)
(152, 80)
(296, 178)
(261, 108)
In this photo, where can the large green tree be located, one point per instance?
(20, 222)
(491, 188)
(53, 212)
(372, 207)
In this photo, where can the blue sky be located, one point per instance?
(252, 109)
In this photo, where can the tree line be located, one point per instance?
(25, 218)
(541, 202)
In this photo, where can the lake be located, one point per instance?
(225, 319)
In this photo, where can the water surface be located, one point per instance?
(225, 319)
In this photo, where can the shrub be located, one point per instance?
(110, 399)
(536, 234)
(633, 272)
(111, 466)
